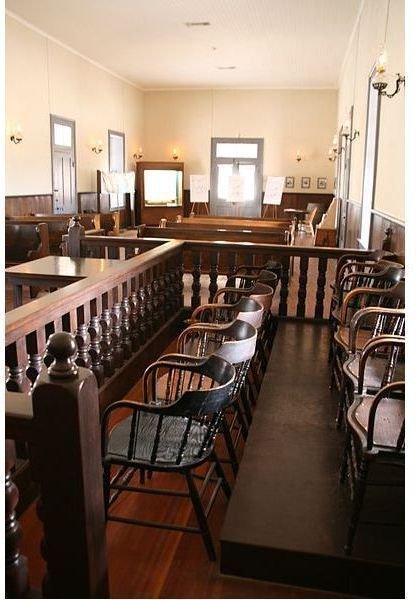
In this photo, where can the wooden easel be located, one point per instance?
(274, 211)
(206, 204)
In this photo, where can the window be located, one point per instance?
(116, 164)
(236, 156)
(370, 162)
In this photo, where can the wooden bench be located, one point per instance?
(216, 233)
(58, 226)
(25, 242)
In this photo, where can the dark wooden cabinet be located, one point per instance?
(159, 191)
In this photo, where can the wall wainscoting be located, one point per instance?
(28, 205)
(379, 224)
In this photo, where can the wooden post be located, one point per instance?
(75, 233)
(16, 569)
(67, 464)
(387, 242)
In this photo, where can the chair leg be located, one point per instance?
(344, 461)
(201, 518)
(341, 403)
(229, 446)
(360, 489)
(221, 474)
(106, 486)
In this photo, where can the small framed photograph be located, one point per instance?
(305, 182)
(321, 183)
(290, 182)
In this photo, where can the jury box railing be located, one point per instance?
(121, 320)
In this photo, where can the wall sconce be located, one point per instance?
(138, 155)
(380, 83)
(332, 154)
(346, 132)
(16, 136)
(380, 78)
(98, 147)
(175, 154)
(298, 156)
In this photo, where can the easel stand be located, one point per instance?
(274, 211)
(198, 204)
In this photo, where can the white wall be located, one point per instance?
(44, 78)
(362, 54)
(288, 120)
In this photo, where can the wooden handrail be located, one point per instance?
(41, 311)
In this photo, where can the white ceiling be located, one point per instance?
(272, 43)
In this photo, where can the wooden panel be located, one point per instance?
(379, 224)
(87, 202)
(26, 205)
(353, 225)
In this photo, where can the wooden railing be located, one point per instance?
(122, 320)
(114, 315)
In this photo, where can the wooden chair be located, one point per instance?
(349, 264)
(172, 433)
(236, 343)
(376, 434)
(384, 366)
(372, 323)
(246, 309)
(307, 225)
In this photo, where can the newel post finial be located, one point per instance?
(67, 464)
(63, 348)
(387, 242)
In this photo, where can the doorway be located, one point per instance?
(236, 156)
(63, 165)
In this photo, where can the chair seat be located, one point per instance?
(342, 337)
(172, 430)
(388, 419)
(374, 371)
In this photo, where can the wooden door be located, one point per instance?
(63, 165)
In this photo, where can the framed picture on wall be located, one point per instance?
(290, 182)
(321, 183)
(305, 182)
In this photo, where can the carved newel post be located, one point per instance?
(75, 233)
(67, 464)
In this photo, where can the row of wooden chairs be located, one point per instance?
(205, 389)
(367, 351)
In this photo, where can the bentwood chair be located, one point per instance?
(263, 294)
(236, 343)
(246, 309)
(379, 321)
(376, 434)
(364, 324)
(353, 274)
(172, 431)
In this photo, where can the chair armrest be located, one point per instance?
(371, 347)
(362, 314)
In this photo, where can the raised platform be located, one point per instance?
(288, 515)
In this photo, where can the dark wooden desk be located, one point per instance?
(52, 272)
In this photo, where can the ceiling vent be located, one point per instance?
(197, 24)
(226, 68)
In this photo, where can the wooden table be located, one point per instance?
(52, 272)
(296, 213)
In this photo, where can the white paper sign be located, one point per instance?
(199, 186)
(274, 190)
(235, 188)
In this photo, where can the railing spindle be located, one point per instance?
(303, 278)
(320, 290)
(284, 286)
